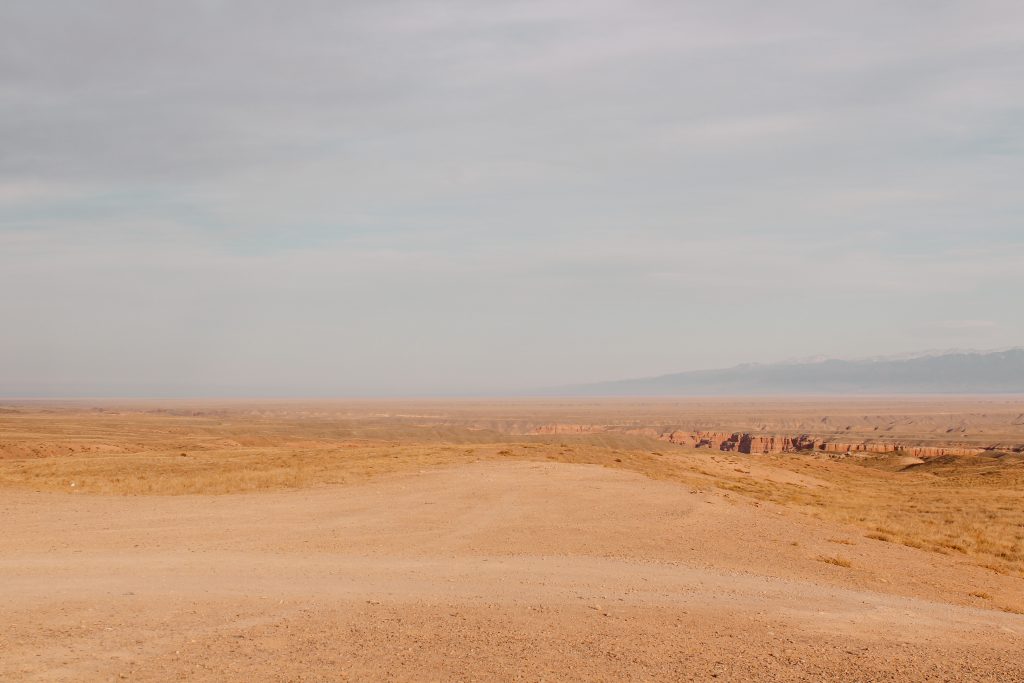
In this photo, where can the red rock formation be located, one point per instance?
(937, 451)
(721, 441)
(745, 442)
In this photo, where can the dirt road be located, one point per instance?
(488, 571)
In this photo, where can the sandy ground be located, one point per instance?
(486, 571)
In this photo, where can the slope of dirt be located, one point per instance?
(512, 570)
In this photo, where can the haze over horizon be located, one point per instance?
(452, 197)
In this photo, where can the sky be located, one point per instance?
(414, 198)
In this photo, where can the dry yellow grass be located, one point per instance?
(835, 560)
(972, 507)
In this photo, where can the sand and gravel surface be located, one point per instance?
(482, 571)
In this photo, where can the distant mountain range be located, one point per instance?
(958, 372)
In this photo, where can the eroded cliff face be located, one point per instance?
(743, 442)
(766, 443)
(717, 440)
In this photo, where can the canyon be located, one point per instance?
(743, 442)
(756, 443)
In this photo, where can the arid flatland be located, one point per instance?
(509, 540)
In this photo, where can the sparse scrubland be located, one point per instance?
(457, 503)
(966, 506)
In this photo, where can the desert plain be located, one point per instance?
(520, 539)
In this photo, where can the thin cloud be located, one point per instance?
(464, 196)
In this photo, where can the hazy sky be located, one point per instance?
(410, 197)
